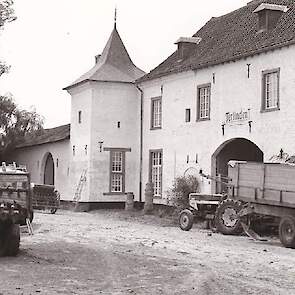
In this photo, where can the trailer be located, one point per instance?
(15, 207)
(259, 190)
(256, 194)
(45, 197)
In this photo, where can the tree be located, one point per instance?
(6, 15)
(15, 124)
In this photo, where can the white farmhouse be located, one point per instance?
(226, 93)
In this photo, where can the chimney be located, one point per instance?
(97, 58)
(268, 15)
(185, 45)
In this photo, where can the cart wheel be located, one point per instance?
(186, 219)
(226, 219)
(53, 210)
(56, 202)
(287, 231)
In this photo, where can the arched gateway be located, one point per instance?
(240, 149)
(48, 177)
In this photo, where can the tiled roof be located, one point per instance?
(231, 37)
(114, 65)
(47, 136)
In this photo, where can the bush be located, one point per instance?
(178, 195)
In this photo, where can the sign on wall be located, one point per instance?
(241, 117)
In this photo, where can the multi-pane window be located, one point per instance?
(117, 172)
(156, 115)
(156, 172)
(203, 106)
(270, 99)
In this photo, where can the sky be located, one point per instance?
(53, 42)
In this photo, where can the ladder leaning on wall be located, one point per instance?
(80, 185)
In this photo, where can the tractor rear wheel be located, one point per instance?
(2, 241)
(186, 219)
(287, 231)
(13, 240)
(226, 219)
(10, 240)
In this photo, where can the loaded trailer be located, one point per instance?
(256, 191)
(15, 207)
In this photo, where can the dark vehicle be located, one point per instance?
(15, 207)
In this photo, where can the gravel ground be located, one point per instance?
(114, 252)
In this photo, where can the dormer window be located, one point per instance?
(186, 44)
(268, 15)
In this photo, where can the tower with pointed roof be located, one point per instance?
(105, 123)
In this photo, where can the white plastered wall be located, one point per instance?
(232, 91)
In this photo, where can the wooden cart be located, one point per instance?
(45, 197)
(259, 189)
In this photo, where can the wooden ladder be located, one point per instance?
(29, 226)
(80, 185)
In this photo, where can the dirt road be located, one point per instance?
(111, 252)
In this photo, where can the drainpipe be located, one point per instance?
(141, 142)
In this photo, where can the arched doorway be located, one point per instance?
(239, 149)
(49, 170)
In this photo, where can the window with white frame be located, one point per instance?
(270, 93)
(203, 103)
(117, 179)
(156, 113)
(156, 158)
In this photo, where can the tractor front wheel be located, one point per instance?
(186, 219)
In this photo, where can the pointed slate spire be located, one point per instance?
(113, 65)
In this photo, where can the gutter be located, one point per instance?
(215, 62)
(91, 80)
(141, 142)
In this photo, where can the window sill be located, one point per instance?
(114, 194)
(155, 128)
(157, 197)
(269, 110)
(203, 119)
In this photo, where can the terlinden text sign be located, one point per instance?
(237, 117)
